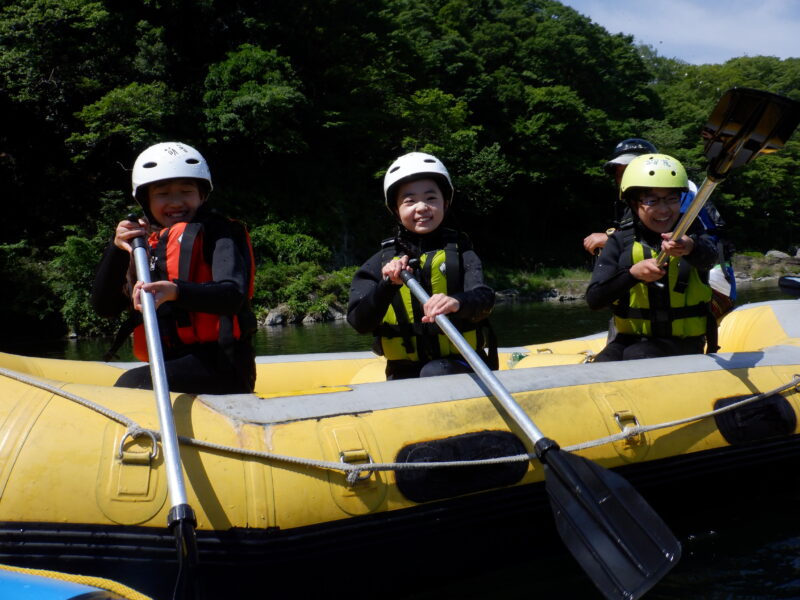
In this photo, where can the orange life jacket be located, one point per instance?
(177, 253)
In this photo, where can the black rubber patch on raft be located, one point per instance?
(424, 485)
(770, 417)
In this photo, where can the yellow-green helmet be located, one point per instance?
(653, 171)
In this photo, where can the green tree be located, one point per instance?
(253, 96)
(300, 107)
(132, 116)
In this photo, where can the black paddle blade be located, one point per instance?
(621, 543)
(744, 124)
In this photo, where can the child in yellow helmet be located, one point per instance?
(658, 311)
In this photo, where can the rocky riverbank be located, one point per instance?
(748, 267)
(773, 264)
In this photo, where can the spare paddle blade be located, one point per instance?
(618, 539)
(744, 124)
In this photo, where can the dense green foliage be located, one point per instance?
(300, 106)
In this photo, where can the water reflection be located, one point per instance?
(515, 324)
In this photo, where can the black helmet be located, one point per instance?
(627, 150)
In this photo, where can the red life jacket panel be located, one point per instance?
(177, 253)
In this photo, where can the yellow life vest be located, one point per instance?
(403, 335)
(687, 313)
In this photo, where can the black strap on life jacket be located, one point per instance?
(682, 281)
(452, 261)
(658, 315)
(487, 344)
(403, 326)
(712, 334)
(188, 239)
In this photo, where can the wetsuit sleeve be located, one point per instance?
(705, 254)
(108, 289)
(227, 292)
(477, 299)
(370, 296)
(609, 280)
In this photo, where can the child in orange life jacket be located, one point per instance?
(672, 317)
(202, 276)
(418, 192)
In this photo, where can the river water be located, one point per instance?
(515, 324)
(744, 550)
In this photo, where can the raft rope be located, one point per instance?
(357, 471)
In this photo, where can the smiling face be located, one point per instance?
(174, 200)
(420, 205)
(664, 209)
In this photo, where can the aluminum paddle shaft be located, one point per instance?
(181, 519)
(158, 372)
(486, 375)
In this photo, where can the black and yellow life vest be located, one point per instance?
(680, 309)
(403, 335)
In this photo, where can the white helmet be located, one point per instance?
(416, 165)
(169, 160)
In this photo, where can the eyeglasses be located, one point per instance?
(652, 199)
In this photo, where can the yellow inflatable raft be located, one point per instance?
(328, 460)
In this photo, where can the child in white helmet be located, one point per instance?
(418, 192)
(657, 311)
(202, 278)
